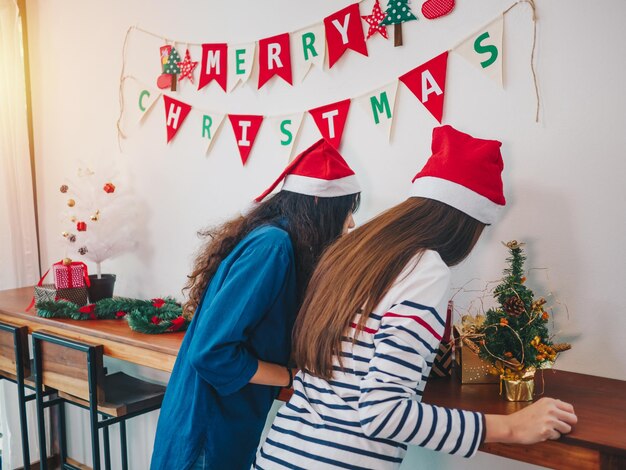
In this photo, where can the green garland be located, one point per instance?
(145, 316)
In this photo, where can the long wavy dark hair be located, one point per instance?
(313, 223)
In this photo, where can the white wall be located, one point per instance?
(563, 176)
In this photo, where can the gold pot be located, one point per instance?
(518, 389)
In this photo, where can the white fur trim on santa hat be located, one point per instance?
(457, 196)
(322, 188)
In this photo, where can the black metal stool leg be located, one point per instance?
(95, 439)
(124, 451)
(107, 448)
(62, 436)
(21, 401)
(41, 427)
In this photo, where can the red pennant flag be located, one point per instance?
(214, 59)
(331, 120)
(344, 31)
(274, 58)
(175, 114)
(428, 83)
(246, 128)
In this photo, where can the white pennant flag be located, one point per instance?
(211, 123)
(240, 64)
(147, 98)
(484, 49)
(308, 47)
(286, 129)
(379, 106)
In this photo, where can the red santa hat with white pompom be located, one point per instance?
(463, 172)
(318, 171)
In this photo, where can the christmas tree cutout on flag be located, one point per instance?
(245, 127)
(172, 68)
(428, 84)
(397, 12)
(483, 49)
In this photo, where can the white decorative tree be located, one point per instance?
(99, 220)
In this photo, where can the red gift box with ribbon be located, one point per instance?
(68, 274)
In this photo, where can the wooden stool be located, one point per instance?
(76, 370)
(15, 366)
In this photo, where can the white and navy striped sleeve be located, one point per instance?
(409, 333)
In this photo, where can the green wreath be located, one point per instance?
(145, 316)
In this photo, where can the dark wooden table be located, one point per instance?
(597, 442)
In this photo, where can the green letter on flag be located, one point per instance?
(286, 132)
(141, 95)
(489, 48)
(380, 106)
(308, 39)
(207, 122)
(239, 61)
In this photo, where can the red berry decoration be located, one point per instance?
(177, 323)
(155, 320)
(120, 314)
(158, 303)
(81, 226)
(109, 188)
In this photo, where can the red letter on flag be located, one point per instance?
(274, 58)
(344, 31)
(246, 128)
(175, 114)
(428, 83)
(331, 120)
(213, 65)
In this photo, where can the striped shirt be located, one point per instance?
(369, 411)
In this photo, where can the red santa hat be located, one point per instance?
(318, 171)
(463, 172)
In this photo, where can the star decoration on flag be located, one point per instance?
(186, 67)
(374, 21)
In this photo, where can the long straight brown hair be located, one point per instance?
(356, 272)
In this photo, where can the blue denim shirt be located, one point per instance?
(247, 313)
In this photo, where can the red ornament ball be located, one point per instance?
(109, 188)
(81, 226)
(158, 303)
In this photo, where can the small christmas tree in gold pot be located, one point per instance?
(515, 338)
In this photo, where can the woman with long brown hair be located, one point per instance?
(244, 293)
(371, 322)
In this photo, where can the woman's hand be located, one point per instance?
(545, 419)
(272, 374)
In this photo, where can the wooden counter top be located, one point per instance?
(157, 351)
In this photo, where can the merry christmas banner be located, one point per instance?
(288, 55)
(290, 60)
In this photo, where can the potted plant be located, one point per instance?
(99, 223)
(514, 336)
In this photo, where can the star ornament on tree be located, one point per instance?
(187, 67)
(374, 20)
